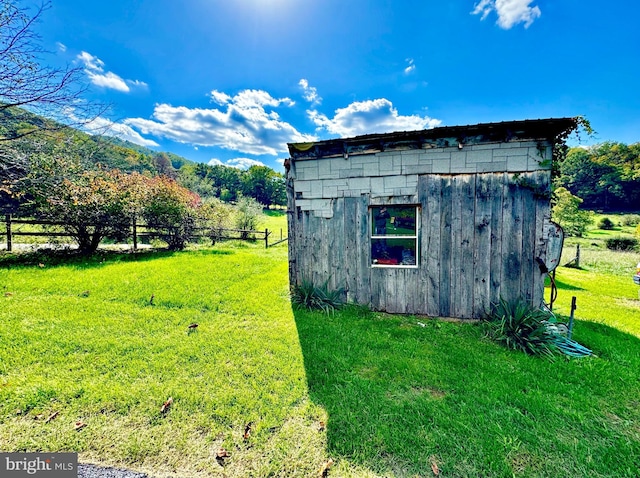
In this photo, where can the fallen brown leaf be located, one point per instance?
(40, 416)
(79, 425)
(324, 469)
(166, 405)
(321, 426)
(8, 294)
(434, 467)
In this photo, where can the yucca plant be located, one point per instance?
(311, 297)
(520, 326)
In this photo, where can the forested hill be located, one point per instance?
(605, 176)
(22, 130)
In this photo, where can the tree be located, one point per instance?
(264, 185)
(566, 212)
(27, 84)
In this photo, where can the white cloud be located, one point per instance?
(239, 163)
(61, 47)
(371, 116)
(309, 93)
(137, 83)
(410, 67)
(94, 68)
(107, 127)
(220, 97)
(510, 12)
(246, 123)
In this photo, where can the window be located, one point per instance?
(394, 236)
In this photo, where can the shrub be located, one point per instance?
(630, 220)
(248, 214)
(605, 224)
(170, 211)
(310, 297)
(520, 326)
(621, 243)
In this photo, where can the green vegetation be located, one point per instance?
(104, 341)
(310, 297)
(605, 176)
(520, 326)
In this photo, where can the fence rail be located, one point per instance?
(147, 231)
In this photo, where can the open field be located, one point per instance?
(380, 395)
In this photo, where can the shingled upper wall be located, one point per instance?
(395, 172)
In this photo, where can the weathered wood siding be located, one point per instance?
(479, 237)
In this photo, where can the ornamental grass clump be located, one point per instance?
(311, 297)
(520, 326)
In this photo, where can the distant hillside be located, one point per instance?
(223, 182)
(114, 153)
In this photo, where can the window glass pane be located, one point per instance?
(393, 252)
(393, 221)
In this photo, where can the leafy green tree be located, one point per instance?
(264, 185)
(566, 212)
(606, 176)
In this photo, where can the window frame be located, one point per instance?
(390, 237)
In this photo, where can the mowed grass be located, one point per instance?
(85, 340)
(380, 395)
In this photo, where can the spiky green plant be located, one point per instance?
(308, 296)
(520, 326)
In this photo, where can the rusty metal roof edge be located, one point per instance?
(548, 128)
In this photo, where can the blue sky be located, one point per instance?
(232, 81)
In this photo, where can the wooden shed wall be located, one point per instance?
(479, 238)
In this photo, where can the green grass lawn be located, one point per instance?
(380, 395)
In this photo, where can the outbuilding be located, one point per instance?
(442, 222)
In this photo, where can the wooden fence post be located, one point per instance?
(7, 218)
(577, 256)
(135, 234)
(266, 238)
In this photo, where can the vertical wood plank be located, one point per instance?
(456, 292)
(337, 246)
(350, 250)
(467, 245)
(432, 241)
(511, 241)
(482, 250)
(445, 248)
(363, 248)
(528, 239)
(497, 198)
(543, 214)
(7, 219)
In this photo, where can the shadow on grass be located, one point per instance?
(102, 257)
(565, 286)
(403, 392)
